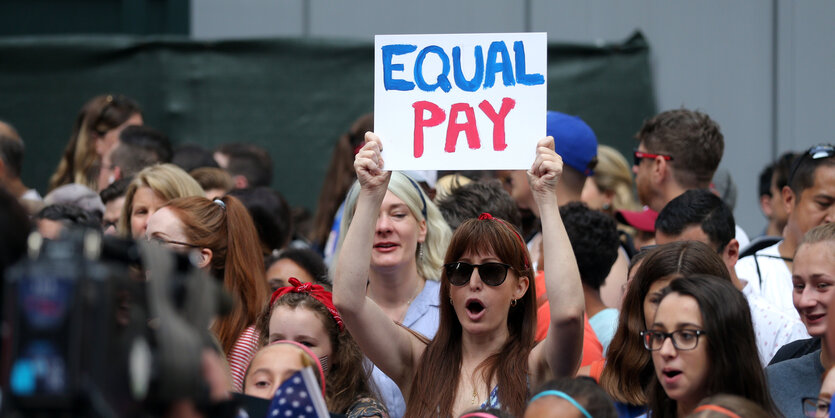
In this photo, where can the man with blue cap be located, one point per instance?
(576, 143)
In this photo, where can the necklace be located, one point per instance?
(409, 302)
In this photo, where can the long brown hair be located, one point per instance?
(339, 178)
(628, 371)
(440, 364)
(100, 114)
(734, 365)
(224, 226)
(347, 379)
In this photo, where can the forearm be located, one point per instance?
(565, 293)
(354, 259)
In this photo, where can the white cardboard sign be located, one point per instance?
(460, 102)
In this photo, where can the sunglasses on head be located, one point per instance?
(815, 153)
(637, 156)
(491, 274)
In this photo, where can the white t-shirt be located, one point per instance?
(772, 328)
(769, 277)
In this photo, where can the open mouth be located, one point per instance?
(672, 373)
(385, 245)
(474, 307)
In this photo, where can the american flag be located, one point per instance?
(299, 397)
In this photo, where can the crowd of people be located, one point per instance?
(556, 291)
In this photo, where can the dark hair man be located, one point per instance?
(700, 215)
(677, 150)
(470, 200)
(594, 238)
(138, 147)
(249, 165)
(809, 200)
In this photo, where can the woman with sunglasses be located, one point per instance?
(702, 343)
(483, 353)
(222, 237)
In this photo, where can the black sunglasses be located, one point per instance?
(491, 274)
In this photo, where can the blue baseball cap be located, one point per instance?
(574, 140)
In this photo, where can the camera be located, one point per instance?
(102, 327)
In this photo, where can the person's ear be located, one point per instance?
(789, 199)
(765, 205)
(204, 258)
(660, 169)
(522, 285)
(117, 173)
(731, 253)
(422, 231)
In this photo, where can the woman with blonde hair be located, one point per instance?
(610, 188)
(149, 190)
(95, 132)
(410, 238)
(222, 236)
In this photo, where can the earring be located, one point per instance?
(513, 302)
(450, 300)
(420, 251)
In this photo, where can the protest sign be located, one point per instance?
(460, 102)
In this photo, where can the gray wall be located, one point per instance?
(762, 69)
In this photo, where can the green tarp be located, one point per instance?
(294, 97)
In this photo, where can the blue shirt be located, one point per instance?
(604, 324)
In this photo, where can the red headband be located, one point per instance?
(315, 291)
(486, 216)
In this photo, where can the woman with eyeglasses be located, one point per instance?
(483, 353)
(407, 248)
(702, 343)
(222, 236)
(628, 371)
(95, 132)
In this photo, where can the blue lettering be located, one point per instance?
(462, 83)
(389, 51)
(493, 67)
(521, 77)
(443, 78)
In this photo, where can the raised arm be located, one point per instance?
(389, 346)
(559, 354)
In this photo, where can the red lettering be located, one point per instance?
(499, 143)
(437, 116)
(469, 127)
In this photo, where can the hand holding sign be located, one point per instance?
(546, 171)
(460, 102)
(368, 164)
